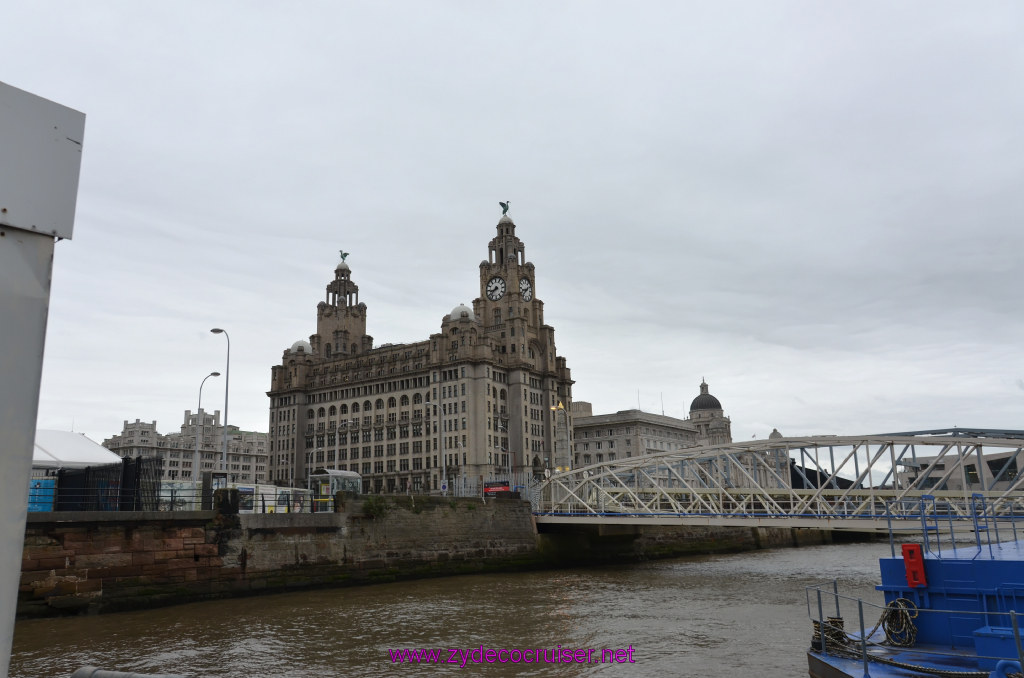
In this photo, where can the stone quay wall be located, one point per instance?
(580, 545)
(104, 562)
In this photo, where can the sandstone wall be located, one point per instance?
(101, 561)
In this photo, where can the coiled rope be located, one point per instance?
(897, 621)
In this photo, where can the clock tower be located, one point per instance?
(512, 317)
(508, 307)
(486, 399)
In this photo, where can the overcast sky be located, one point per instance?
(816, 206)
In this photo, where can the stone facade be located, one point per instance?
(247, 450)
(627, 433)
(706, 414)
(473, 401)
(606, 437)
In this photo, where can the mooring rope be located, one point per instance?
(897, 621)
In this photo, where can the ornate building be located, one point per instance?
(472, 403)
(247, 450)
(627, 433)
(706, 414)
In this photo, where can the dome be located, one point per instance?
(304, 345)
(505, 219)
(342, 266)
(774, 435)
(705, 401)
(461, 309)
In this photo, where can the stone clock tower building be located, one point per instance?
(477, 401)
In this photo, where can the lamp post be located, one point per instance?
(568, 453)
(199, 426)
(227, 378)
(440, 444)
(504, 450)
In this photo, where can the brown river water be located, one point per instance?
(725, 615)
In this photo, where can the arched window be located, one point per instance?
(321, 412)
(327, 350)
(392, 402)
(309, 414)
(417, 399)
(343, 409)
(379, 404)
(355, 408)
(333, 411)
(367, 406)
(405, 401)
(501, 396)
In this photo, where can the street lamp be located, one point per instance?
(568, 452)
(199, 426)
(440, 444)
(504, 450)
(309, 470)
(227, 377)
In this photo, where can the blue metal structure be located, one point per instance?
(951, 609)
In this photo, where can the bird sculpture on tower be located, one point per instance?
(504, 207)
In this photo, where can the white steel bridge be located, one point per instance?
(856, 483)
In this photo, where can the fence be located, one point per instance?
(132, 485)
(135, 485)
(522, 482)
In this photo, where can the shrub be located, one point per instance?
(375, 506)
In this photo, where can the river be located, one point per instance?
(723, 615)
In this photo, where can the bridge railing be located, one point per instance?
(927, 514)
(826, 477)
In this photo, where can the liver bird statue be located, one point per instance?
(504, 207)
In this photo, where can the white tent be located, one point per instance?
(67, 449)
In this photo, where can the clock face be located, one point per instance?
(495, 288)
(526, 289)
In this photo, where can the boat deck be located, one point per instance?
(934, 658)
(1008, 550)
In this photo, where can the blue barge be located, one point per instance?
(950, 609)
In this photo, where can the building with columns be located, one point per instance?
(707, 416)
(476, 401)
(628, 433)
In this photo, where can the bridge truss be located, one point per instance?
(851, 483)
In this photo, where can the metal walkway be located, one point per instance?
(847, 483)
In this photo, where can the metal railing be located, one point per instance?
(823, 477)
(891, 640)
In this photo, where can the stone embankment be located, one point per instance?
(103, 562)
